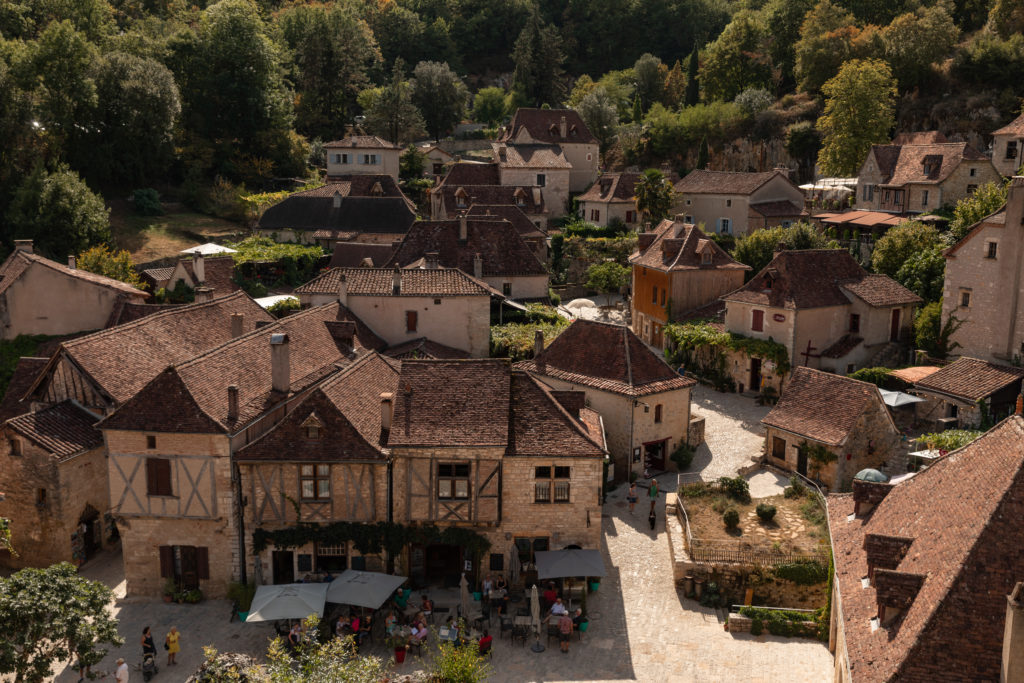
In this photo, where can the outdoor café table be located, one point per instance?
(450, 635)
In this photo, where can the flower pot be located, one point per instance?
(399, 655)
(168, 598)
(594, 585)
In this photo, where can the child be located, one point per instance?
(631, 496)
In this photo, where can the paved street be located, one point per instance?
(732, 430)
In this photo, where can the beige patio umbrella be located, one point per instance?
(535, 618)
(464, 599)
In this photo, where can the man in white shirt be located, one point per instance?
(121, 675)
(558, 608)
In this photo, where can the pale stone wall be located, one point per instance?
(556, 184)
(609, 211)
(705, 211)
(387, 162)
(41, 533)
(1006, 167)
(45, 301)
(870, 174)
(954, 188)
(584, 160)
(522, 286)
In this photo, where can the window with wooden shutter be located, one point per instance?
(158, 477)
(757, 321)
(166, 562)
(202, 562)
(411, 318)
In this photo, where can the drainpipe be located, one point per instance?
(237, 476)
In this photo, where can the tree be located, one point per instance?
(654, 196)
(735, 60)
(916, 40)
(53, 615)
(607, 278)
(538, 58)
(692, 82)
(59, 212)
(440, 96)
(411, 163)
(901, 242)
(113, 264)
(933, 335)
(638, 110)
(390, 112)
(489, 106)
(859, 112)
(650, 80)
(924, 273)
(986, 200)
(675, 87)
(703, 153)
(1006, 18)
(828, 38)
(758, 248)
(601, 116)
(783, 19)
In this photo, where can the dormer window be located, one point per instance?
(705, 258)
(460, 198)
(312, 428)
(769, 282)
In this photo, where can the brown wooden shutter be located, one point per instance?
(152, 487)
(163, 479)
(202, 562)
(410, 321)
(166, 562)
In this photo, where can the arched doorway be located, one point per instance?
(88, 537)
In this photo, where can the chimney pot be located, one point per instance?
(72, 262)
(396, 281)
(24, 245)
(199, 268)
(233, 402)
(538, 342)
(478, 266)
(343, 291)
(563, 129)
(237, 324)
(280, 363)
(203, 294)
(387, 410)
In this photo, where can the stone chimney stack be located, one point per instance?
(237, 324)
(1013, 637)
(199, 268)
(463, 227)
(502, 152)
(233, 402)
(24, 245)
(478, 266)
(432, 260)
(563, 128)
(72, 262)
(280, 363)
(204, 294)
(538, 342)
(387, 410)
(343, 291)
(337, 200)
(396, 281)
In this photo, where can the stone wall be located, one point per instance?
(695, 435)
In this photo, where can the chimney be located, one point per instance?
(396, 281)
(343, 291)
(23, 245)
(1013, 636)
(280, 364)
(478, 266)
(204, 294)
(387, 410)
(199, 268)
(72, 262)
(463, 227)
(337, 200)
(538, 342)
(432, 259)
(502, 152)
(644, 240)
(237, 324)
(563, 129)
(233, 402)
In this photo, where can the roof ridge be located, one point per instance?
(629, 364)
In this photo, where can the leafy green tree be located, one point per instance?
(736, 60)
(703, 153)
(334, 50)
(991, 60)
(803, 142)
(113, 264)
(16, 154)
(828, 39)
(440, 96)
(692, 96)
(411, 163)
(638, 110)
(859, 112)
(783, 20)
(390, 111)
(753, 101)
(916, 40)
(901, 242)
(59, 212)
(932, 334)
(538, 58)
(986, 200)
(758, 248)
(924, 273)
(601, 116)
(53, 615)
(489, 106)
(26, 19)
(650, 79)
(654, 196)
(607, 278)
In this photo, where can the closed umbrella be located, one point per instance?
(464, 596)
(515, 566)
(535, 618)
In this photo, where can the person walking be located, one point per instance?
(631, 496)
(121, 674)
(172, 645)
(148, 648)
(564, 631)
(653, 493)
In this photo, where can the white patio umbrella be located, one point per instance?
(464, 600)
(898, 399)
(288, 601)
(209, 249)
(535, 618)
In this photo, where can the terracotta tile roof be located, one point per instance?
(1015, 127)
(902, 164)
(158, 275)
(842, 346)
(218, 274)
(606, 357)
(511, 213)
(357, 185)
(612, 187)
(779, 209)
(880, 290)
(529, 199)
(452, 403)
(122, 359)
(347, 408)
(354, 254)
(959, 517)
(64, 429)
(355, 214)
(822, 406)
(544, 125)
(25, 373)
(424, 348)
(916, 373)
(472, 173)
(529, 156)
(924, 137)
(498, 243)
(361, 142)
(674, 248)
(379, 282)
(192, 396)
(19, 261)
(542, 426)
(971, 379)
(701, 181)
(812, 278)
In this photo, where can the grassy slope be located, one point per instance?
(152, 237)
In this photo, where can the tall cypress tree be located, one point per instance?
(692, 85)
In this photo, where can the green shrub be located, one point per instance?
(950, 440)
(147, 202)
(736, 488)
(756, 627)
(284, 307)
(695, 490)
(796, 488)
(779, 622)
(766, 512)
(682, 456)
(720, 505)
(712, 595)
(812, 512)
(802, 572)
(553, 297)
(877, 376)
(731, 518)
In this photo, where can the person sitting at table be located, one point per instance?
(343, 627)
(558, 608)
(578, 619)
(487, 586)
(363, 629)
(295, 635)
(400, 600)
(390, 622)
(500, 583)
(419, 631)
(550, 594)
(484, 646)
(427, 607)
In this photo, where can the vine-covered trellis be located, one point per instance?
(370, 539)
(701, 348)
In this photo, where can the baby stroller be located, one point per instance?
(149, 667)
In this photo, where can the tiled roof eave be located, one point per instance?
(611, 386)
(767, 423)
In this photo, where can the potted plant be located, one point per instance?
(169, 590)
(398, 642)
(193, 596)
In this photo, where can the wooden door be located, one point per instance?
(284, 566)
(189, 567)
(654, 456)
(894, 330)
(801, 461)
(755, 374)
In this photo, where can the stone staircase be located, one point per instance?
(888, 356)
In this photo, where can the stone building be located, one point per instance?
(983, 285)
(729, 203)
(470, 183)
(954, 395)
(611, 198)
(644, 403)
(53, 473)
(1007, 146)
(40, 296)
(915, 178)
(845, 416)
(534, 237)
(362, 155)
(927, 571)
(565, 133)
(676, 270)
(216, 273)
(825, 309)
(404, 305)
(539, 165)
